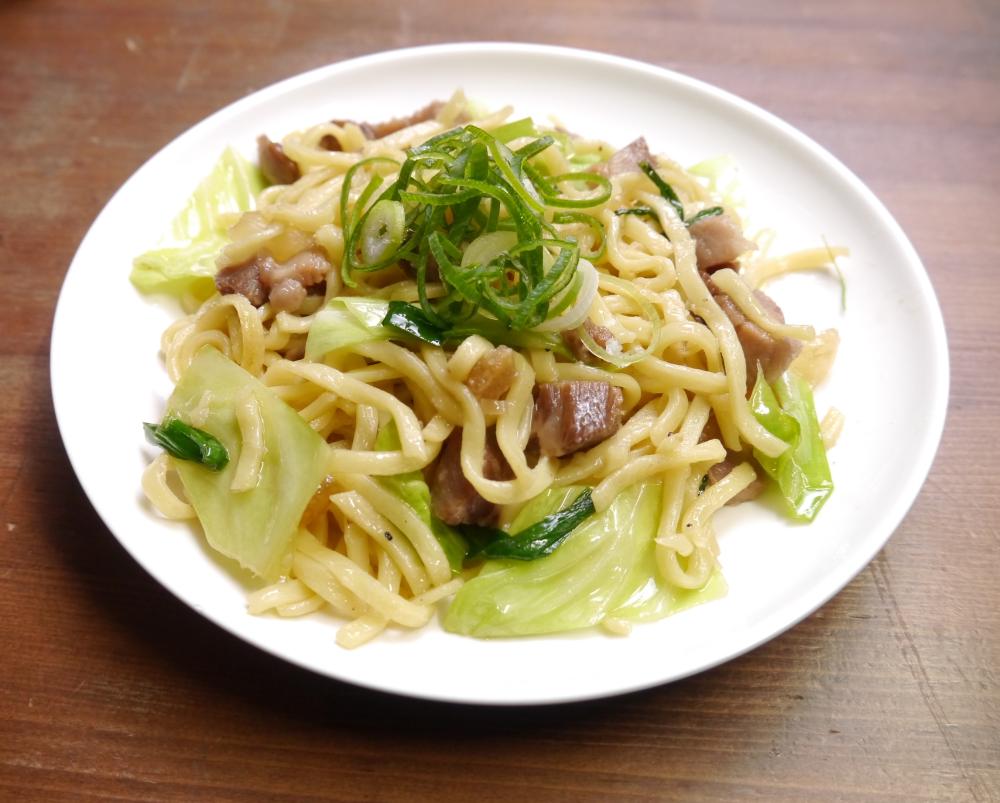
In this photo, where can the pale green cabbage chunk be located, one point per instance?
(186, 261)
(347, 321)
(606, 567)
(254, 527)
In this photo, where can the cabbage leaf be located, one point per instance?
(801, 472)
(185, 263)
(605, 568)
(254, 527)
(347, 321)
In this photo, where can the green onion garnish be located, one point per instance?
(450, 191)
(410, 319)
(187, 443)
(382, 231)
(665, 189)
(644, 211)
(712, 211)
(671, 197)
(540, 539)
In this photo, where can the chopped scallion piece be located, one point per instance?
(540, 539)
(187, 443)
(644, 211)
(382, 231)
(449, 193)
(411, 320)
(712, 211)
(665, 189)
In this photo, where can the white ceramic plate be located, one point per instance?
(890, 380)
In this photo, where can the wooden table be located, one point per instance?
(111, 689)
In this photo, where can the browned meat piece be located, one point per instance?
(720, 470)
(453, 498)
(432, 273)
(711, 429)
(284, 284)
(626, 160)
(733, 459)
(275, 164)
(428, 112)
(601, 335)
(379, 130)
(319, 501)
(774, 354)
(706, 275)
(331, 143)
(570, 416)
(718, 239)
(244, 279)
(493, 373)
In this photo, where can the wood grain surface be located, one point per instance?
(113, 690)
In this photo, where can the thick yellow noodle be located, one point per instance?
(367, 556)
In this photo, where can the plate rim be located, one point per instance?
(923, 459)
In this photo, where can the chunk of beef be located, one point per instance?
(773, 354)
(706, 276)
(331, 143)
(284, 284)
(287, 282)
(626, 160)
(493, 373)
(432, 273)
(602, 337)
(318, 502)
(275, 164)
(732, 459)
(243, 279)
(720, 470)
(717, 240)
(453, 498)
(570, 416)
(378, 130)
(428, 112)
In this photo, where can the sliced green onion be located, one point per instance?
(413, 321)
(409, 319)
(712, 211)
(509, 166)
(347, 218)
(665, 189)
(526, 151)
(645, 211)
(436, 198)
(524, 127)
(479, 210)
(531, 543)
(382, 231)
(487, 247)
(579, 203)
(595, 225)
(187, 443)
(581, 304)
(621, 359)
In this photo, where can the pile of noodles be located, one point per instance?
(693, 367)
